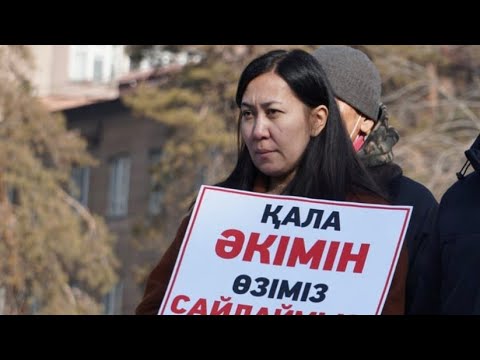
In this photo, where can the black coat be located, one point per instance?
(459, 242)
(402, 190)
(406, 191)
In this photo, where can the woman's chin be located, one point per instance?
(271, 171)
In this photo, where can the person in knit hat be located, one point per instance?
(357, 86)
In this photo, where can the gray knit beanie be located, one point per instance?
(353, 76)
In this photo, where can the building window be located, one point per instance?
(112, 302)
(12, 195)
(81, 178)
(98, 70)
(119, 186)
(35, 306)
(156, 194)
(78, 65)
(2, 300)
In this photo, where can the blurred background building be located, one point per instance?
(71, 75)
(84, 82)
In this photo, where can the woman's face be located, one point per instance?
(275, 125)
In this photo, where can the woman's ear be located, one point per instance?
(366, 126)
(318, 120)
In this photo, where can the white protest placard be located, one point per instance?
(254, 253)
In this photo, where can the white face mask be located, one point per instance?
(355, 127)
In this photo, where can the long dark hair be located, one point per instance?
(329, 168)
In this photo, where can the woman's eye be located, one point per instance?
(246, 114)
(272, 112)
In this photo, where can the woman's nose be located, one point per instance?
(260, 129)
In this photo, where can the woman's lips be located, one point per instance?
(263, 152)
